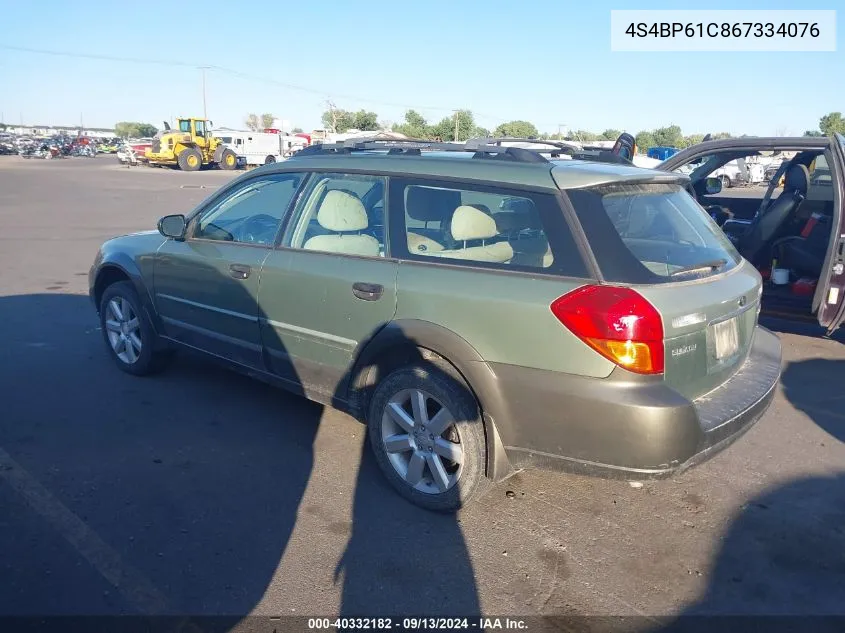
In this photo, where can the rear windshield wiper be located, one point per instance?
(715, 264)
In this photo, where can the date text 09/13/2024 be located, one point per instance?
(416, 624)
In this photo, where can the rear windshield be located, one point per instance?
(651, 233)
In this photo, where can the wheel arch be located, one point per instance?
(404, 341)
(122, 268)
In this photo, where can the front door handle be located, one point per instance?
(367, 292)
(239, 271)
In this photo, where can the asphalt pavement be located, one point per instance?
(199, 491)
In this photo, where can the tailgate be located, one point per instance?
(709, 327)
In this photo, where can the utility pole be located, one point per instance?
(331, 107)
(560, 127)
(456, 125)
(204, 108)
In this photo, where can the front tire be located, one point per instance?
(727, 183)
(128, 333)
(190, 160)
(426, 432)
(228, 160)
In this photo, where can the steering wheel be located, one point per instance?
(258, 229)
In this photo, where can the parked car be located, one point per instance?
(795, 224)
(483, 309)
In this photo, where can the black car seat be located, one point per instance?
(767, 226)
(805, 253)
(434, 208)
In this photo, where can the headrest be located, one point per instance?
(469, 223)
(507, 221)
(427, 204)
(341, 211)
(797, 179)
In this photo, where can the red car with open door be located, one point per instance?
(791, 228)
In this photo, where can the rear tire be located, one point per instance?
(269, 160)
(414, 457)
(190, 160)
(228, 160)
(128, 333)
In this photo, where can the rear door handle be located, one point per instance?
(367, 292)
(239, 271)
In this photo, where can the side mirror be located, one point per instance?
(712, 186)
(173, 226)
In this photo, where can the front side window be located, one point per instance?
(185, 126)
(651, 233)
(200, 127)
(340, 213)
(252, 213)
(498, 228)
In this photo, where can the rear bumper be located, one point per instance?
(632, 426)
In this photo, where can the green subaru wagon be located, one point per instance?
(483, 308)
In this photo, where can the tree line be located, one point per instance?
(461, 126)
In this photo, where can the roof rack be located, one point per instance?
(576, 151)
(415, 147)
(482, 148)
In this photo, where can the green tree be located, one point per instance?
(720, 135)
(147, 130)
(481, 132)
(415, 126)
(363, 120)
(253, 122)
(645, 139)
(133, 129)
(338, 120)
(813, 133)
(463, 121)
(519, 129)
(267, 120)
(669, 136)
(692, 139)
(610, 134)
(584, 136)
(296, 130)
(832, 123)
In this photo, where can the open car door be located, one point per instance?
(830, 295)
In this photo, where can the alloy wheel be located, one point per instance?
(124, 330)
(422, 441)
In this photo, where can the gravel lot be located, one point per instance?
(201, 492)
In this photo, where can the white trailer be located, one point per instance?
(260, 148)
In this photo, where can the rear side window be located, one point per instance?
(651, 233)
(478, 225)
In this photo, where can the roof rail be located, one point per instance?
(414, 147)
(576, 151)
(482, 148)
(534, 141)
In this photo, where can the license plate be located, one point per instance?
(726, 338)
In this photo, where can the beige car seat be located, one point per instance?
(470, 223)
(343, 214)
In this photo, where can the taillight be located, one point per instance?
(617, 322)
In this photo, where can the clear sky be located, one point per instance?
(547, 61)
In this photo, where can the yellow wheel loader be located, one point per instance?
(190, 147)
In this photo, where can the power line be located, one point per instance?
(236, 73)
